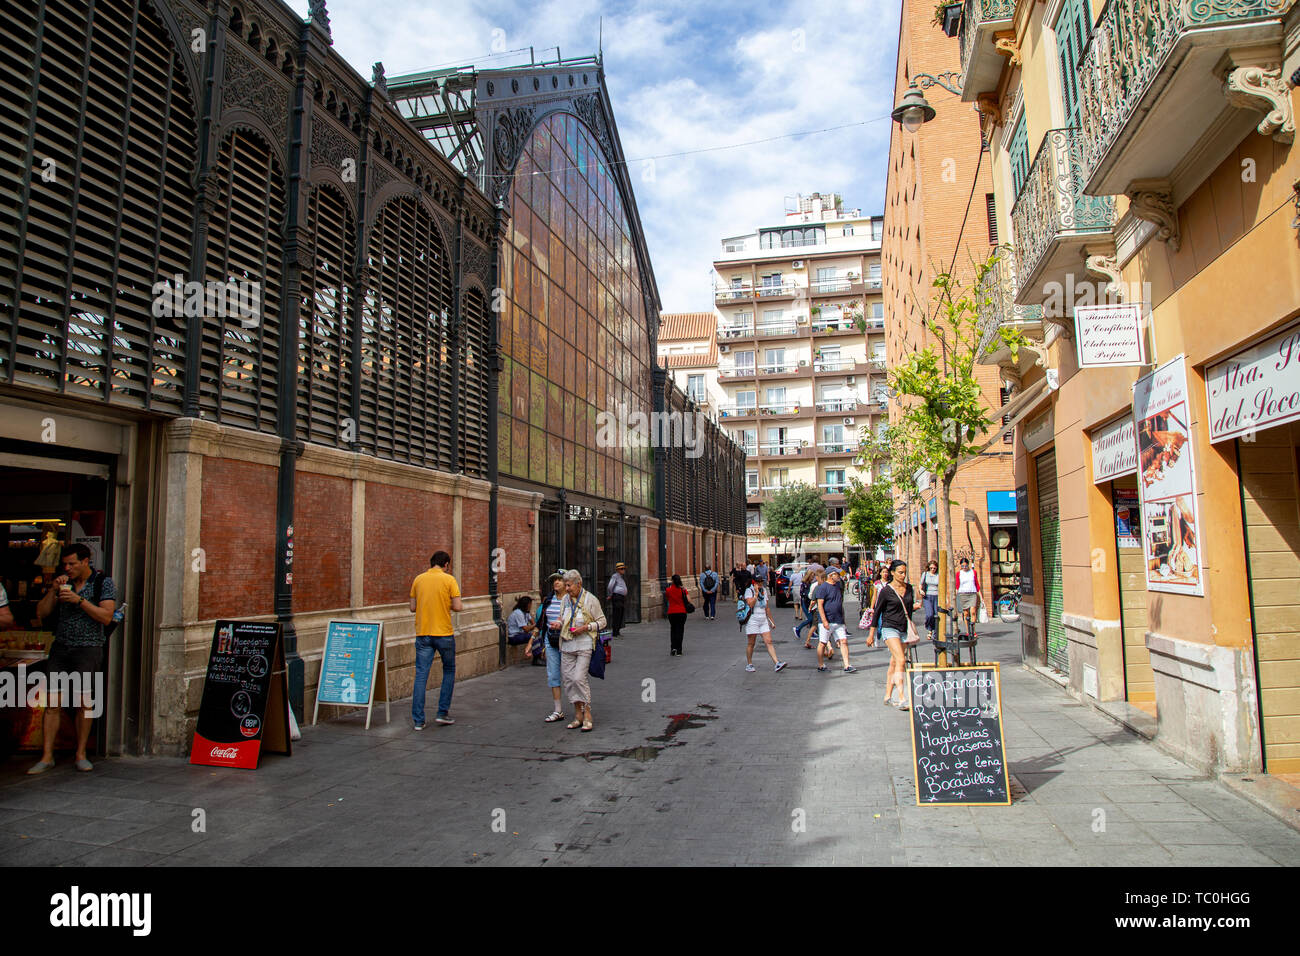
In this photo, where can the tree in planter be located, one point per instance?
(795, 512)
(948, 415)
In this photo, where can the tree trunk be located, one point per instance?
(945, 557)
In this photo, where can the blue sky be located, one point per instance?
(684, 75)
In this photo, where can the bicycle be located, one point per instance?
(1008, 606)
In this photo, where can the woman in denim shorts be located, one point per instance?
(894, 605)
(548, 623)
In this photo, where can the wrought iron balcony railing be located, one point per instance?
(777, 328)
(981, 17)
(997, 304)
(1052, 206)
(838, 405)
(725, 293)
(726, 331)
(1131, 47)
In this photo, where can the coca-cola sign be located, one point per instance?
(1258, 387)
(224, 753)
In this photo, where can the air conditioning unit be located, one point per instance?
(797, 264)
(801, 320)
(724, 349)
(850, 380)
(850, 421)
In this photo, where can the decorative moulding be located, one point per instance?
(1152, 200)
(1258, 88)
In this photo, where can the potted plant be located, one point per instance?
(816, 310)
(947, 16)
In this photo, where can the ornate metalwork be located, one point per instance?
(1254, 87)
(1052, 204)
(977, 13)
(996, 297)
(1129, 47)
(588, 110)
(509, 135)
(249, 87)
(1152, 200)
(951, 81)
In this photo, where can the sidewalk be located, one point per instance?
(693, 762)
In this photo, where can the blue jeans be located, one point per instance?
(931, 611)
(807, 619)
(424, 648)
(711, 604)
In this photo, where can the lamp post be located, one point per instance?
(913, 110)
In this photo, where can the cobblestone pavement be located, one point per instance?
(706, 765)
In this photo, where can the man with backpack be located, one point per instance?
(709, 588)
(84, 601)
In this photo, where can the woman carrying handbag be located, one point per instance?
(894, 605)
(678, 605)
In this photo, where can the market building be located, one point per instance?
(250, 355)
(800, 358)
(940, 216)
(1143, 159)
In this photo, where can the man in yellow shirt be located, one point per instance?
(434, 595)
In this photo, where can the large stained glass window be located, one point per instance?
(573, 330)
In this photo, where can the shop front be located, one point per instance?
(1004, 545)
(591, 541)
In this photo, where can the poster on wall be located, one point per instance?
(1128, 526)
(1167, 480)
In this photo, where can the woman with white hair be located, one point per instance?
(581, 621)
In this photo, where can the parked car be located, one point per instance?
(788, 577)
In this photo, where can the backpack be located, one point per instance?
(743, 611)
(712, 578)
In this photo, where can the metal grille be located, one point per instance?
(97, 146)
(406, 349)
(473, 410)
(1049, 533)
(324, 332)
(240, 359)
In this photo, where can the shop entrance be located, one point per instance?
(46, 504)
(1139, 678)
(1270, 503)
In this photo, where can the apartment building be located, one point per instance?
(801, 355)
(1142, 157)
(939, 218)
(688, 349)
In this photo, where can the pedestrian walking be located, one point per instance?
(807, 580)
(581, 620)
(830, 612)
(548, 627)
(893, 609)
(675, 605)
(84, 600)
(434, 595)
(709, 582)
(759, 621)
(930, 597)
(616, 592)
(968, 594)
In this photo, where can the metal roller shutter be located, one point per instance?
(1049, 532)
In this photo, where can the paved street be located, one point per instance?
(716, 769)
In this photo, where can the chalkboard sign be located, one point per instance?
(957, 745)
(245, 704)
(350, 666)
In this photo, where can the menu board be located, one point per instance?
(245, 697)
(957, 747)
(1023, 536)
(350, 665)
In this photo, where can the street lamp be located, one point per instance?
(913, 110)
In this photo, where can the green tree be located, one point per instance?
(945, 416)
(869, 514)
(795, 512)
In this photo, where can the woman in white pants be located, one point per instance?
(581, 621)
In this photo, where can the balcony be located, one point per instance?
(738, 371)
(736, 331)
(834, 366)
(774, 290)
(739, 293)
(838, 406)
(1053, 218)
(834, 487)
(776, 449)
(837, 448)
(784, 369)
(841, 324)
(847, 285)
(996, 299)
(780, 409)
(1152, 87)
(981, 63)
(737, 411)
(789, 327)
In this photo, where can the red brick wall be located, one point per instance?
(652, 551)
(322, 539)
(516, 536)
(472, 563)
(404, 527)
(237, 535)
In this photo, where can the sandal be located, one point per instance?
(555, 715)
(573, 726)
(588, 726)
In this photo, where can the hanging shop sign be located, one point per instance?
(958, 748)
(1110, 335)
(1259, 387)
(1167, 479)
(245, 704)
(354, 667)
(1114, 450)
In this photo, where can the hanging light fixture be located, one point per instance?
(913, 110)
